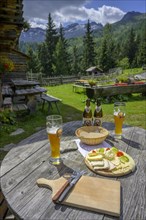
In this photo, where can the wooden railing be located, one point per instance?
(57, 80)
(52, 81)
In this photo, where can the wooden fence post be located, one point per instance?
(61, 79)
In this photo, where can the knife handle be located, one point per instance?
(65, 193)
(57, 195)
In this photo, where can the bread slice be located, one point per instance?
(105, 167)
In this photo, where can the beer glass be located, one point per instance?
(119, 116)
(54, 130)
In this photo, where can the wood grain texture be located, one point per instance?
(89, 193)
(29, 161)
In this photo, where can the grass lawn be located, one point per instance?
(73, 104)
(71, 108)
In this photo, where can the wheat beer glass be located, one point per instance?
(119, 116)
(54, 130)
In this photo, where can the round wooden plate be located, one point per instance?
(113, 173)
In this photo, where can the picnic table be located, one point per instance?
(29, 89)
(20, 83)
(81, 81)
(29, 161)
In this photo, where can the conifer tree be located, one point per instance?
(61, 64)
(89, 48)
(141, 57)
(51, 41)
(107, 57)
(130, 47)
(103, 55)
(42, 55)
(75, 61)
(33, 62)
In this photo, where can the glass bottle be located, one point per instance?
(98, 114)
(87, 114)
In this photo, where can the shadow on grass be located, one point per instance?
(31, 122)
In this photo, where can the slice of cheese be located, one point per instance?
(111, 165)
(116, 161)
(118, 167)
(105, 167)
(99, 163)
(94, 158)
(92, 154)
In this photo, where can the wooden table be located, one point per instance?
(20, 83)
(28, 161)
(29, 89)
(81, 81)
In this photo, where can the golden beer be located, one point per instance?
(118, 123)
(54, 130)
(119, 116)
(55, 143)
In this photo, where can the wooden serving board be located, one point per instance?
(124, 170)
(90, 193)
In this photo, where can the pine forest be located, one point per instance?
(122, 44)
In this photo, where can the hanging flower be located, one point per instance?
(6, 64)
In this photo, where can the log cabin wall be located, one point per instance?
(19, 60)
(11, 24)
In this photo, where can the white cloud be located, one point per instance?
(38, 22)
(68, 11)
(41, 8)
(103, 15)
(110, 14)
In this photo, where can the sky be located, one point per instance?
(71, 11)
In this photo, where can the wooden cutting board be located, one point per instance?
(90, 193)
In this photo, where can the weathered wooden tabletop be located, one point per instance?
(27, 162)
(24, 83)
(31, 91)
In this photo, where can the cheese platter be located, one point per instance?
(110, 162)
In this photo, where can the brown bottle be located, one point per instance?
(98, 114)
(87, 114)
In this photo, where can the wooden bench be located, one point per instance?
(50, 100)
(7, 91)
(7, 102)
(19, 107)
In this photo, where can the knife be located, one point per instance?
(57, 195)
(70, 185)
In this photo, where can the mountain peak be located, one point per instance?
(70, 26)
(130, 15)
(75, 30)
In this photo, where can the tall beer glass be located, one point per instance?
(119, 116)
(54, 130)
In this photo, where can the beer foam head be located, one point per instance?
(119, 113)
(52, 130)
(116, 112)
